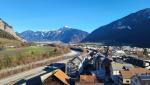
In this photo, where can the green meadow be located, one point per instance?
(11, 57)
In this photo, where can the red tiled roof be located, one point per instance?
(87, 79)
(132, 72)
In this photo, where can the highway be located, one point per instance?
(30, 73)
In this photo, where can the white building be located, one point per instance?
(116, 68)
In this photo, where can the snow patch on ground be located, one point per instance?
(125, 27)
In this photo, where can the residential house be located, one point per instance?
(126, 75)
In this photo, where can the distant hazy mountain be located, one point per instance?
(64, 34)
(133, 29)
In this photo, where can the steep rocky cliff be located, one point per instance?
(5, 28)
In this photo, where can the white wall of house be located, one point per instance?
(116, 72)
(126, 81)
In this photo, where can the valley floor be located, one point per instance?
(15, 60)
(36, 71)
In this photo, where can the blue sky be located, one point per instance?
(52, 14)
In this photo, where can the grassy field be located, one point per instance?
(7, 42)
(11, 57)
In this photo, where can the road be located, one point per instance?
(30, 73)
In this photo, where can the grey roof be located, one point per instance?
(145, 77)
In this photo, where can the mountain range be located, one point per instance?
(65, 34)
(133, 29)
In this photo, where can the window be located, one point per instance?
(127, 81)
